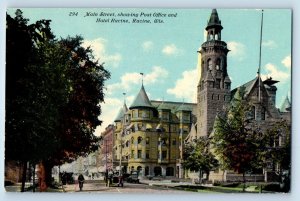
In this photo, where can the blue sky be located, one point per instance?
(167, 53)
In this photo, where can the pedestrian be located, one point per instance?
(80, 181)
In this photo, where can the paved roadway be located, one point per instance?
(127, 188)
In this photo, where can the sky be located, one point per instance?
(166, 53)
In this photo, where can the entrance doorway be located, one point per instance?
(157, 171)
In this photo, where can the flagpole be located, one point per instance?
(259, 65)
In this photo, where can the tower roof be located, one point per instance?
(214, 20)
(121, 113)
(286, 106)
(141, 100)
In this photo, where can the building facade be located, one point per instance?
(214, 92)
(149, 136)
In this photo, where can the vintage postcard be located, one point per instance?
(133, 100)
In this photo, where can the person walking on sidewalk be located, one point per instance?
(80, 181)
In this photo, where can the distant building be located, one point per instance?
(105, 160)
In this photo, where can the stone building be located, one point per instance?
(149, 136)
(214, 90)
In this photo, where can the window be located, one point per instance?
(132, 153)
(263, 113)
(147, 140)
(173, 141)
(227, 85)
(145, 114)
(132, 140)
(252, 112)
(140, 139)
(218, 63)
(139, 153)
(186, 117)
(135, 113)
(169, 171)
(218, 83)
(165, 116)
(212, 97)
(209, 61)
(164, 154)
(147, 154)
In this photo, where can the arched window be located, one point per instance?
(209, 62)
(169, 171)
(252, 112)
(216, 36)
(218, 63)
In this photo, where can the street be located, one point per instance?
(128, 188)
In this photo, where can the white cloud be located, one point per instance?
(269, 43)
(272, 71)
(237, 50)
(170, 49)
(186, 86)
(99, 50)
(147, 46)
(129, 79)
(156, 75)
(287, 61)
(110, 111)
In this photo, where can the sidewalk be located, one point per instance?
(165, 182)
(28, 188)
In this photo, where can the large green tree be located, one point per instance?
(236, 139)
(53, 93)
(198, 157)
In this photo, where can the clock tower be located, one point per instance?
(213, 90)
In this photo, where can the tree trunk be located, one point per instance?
(207, 176)
(48, 173)
(33, 178)
(42, 177)
(200, 176)
(24, 176)
(244, 182)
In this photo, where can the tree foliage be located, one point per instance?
(245, 145)
(236, 139)
(197, 156)
(53, 93)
